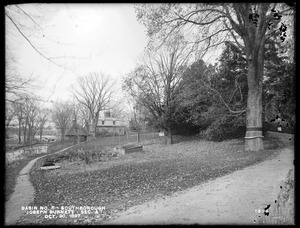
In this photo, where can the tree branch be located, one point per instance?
(222, 99)
(234, 37)
(30, 17)
(31, 44)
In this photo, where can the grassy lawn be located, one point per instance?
(59, 145)
(119, 182)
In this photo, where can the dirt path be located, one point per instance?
(231, 199)
(23, 194)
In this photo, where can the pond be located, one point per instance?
(21, 153)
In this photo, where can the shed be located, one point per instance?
(76, 132)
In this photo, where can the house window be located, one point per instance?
(102, 122)
(114, 122)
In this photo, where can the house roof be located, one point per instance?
(111, 126)
(76, 129)
(108, 119)
(108, 122)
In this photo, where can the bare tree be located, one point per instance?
(28, 115)
(62, 116)
(154, 82)
(42, 119)
(81, 115)
(84, 116)
(94, 91)
(20, 117)
(117, 109)
(10, 113)
(137, 122)
(249, 25)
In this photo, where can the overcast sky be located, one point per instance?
(85, 38)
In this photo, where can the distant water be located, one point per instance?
(47, 137)
(20, 153)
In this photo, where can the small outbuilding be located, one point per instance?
(77, 133)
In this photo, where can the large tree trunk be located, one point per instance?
(20, 131)
(254, 131)
(94, 128)
(87, 125)
(29, 135)
(254, 136)
(62, 130)
(41, 134)
(95, 123)
(169, 137)
(138, 137)
(24, 134)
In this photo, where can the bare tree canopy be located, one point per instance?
(62, 116)
(29, 25)
(154, 82)
(30, 114)
(25, 20)
(94, 91)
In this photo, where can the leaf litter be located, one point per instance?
(117, 184)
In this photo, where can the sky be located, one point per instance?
(81, 38)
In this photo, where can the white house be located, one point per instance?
(110, 125)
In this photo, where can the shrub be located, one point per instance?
(214, 133)
(104, 132)
(75, 155)
(222, 129)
